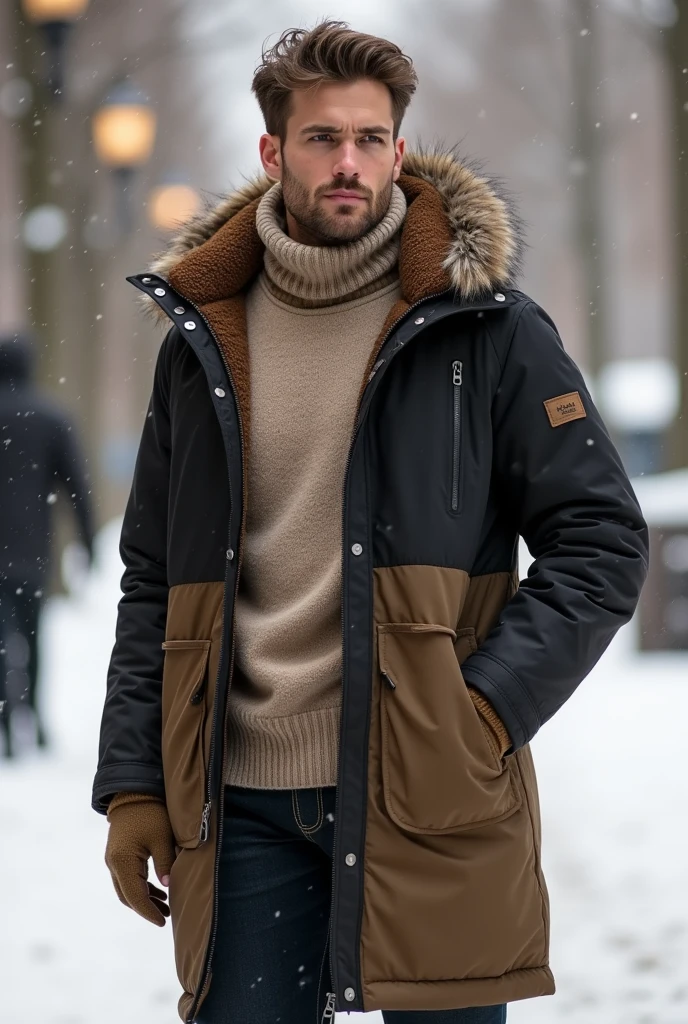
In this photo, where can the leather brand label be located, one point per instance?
(565, 408)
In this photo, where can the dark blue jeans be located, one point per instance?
(270, 963)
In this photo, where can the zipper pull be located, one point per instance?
(457, 372)
(205, 823)
(198, 695)
(374, 370)
(328, 1013)
(390, 682)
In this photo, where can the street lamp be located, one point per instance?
(54, 18)
(172, 203)
(124, 129)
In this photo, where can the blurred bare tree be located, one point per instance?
(677, 54)
(587, 151)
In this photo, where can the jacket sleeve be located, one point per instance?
(130, 738)
(573, 504)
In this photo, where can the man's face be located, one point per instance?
(338, 161)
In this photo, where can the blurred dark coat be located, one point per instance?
(39, 456)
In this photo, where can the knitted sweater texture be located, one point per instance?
(313, 316)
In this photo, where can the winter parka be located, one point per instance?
(473, 427)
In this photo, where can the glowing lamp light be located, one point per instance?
(172, 204)
(124, 129)
(42, 12)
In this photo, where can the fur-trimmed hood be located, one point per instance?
(461, 232)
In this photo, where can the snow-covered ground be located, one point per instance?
(614, 786)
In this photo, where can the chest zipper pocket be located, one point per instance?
(457, 382)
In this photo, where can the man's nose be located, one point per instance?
(347, 163)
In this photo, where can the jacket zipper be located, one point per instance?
(205, 818)
(328, 1012)
(457, 380)
(357, 423)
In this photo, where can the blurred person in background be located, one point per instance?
(354, 416)
(39, 456)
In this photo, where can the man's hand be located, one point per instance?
(140, 829)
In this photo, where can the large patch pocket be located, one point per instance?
(184, 712)
(440, 773)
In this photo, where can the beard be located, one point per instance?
(346, 223)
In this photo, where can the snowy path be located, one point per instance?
(614, 789)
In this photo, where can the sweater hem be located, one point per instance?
(291, 752)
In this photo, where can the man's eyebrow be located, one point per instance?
(317, 129)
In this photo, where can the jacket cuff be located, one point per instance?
(492, 720)
(126, 777)
(507, 695)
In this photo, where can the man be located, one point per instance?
(38, 456)
(354, 416)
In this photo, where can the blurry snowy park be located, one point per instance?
(614, 790)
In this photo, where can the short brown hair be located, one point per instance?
(330, 52)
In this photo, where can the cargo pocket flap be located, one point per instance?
(440, 774)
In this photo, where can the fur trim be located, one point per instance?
(486, 252)
(478, 247)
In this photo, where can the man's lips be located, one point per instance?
(345, 195)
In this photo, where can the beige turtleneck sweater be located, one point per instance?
(313, 317)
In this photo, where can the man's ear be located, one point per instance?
(270, 151)
(399, 150)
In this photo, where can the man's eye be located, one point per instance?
(314, 138)
(375, 138)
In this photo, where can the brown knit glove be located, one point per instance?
(496, 727)
(139, 829)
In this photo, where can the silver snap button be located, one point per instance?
(146, 280)
(160, 291)
(499, 297)
(349, 995)
(350, 859)
(220, 392)
(190, 325)
(357, 549)
(419, 320)
(179, 310)
(230, 554)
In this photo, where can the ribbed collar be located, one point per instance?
(325, 275)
